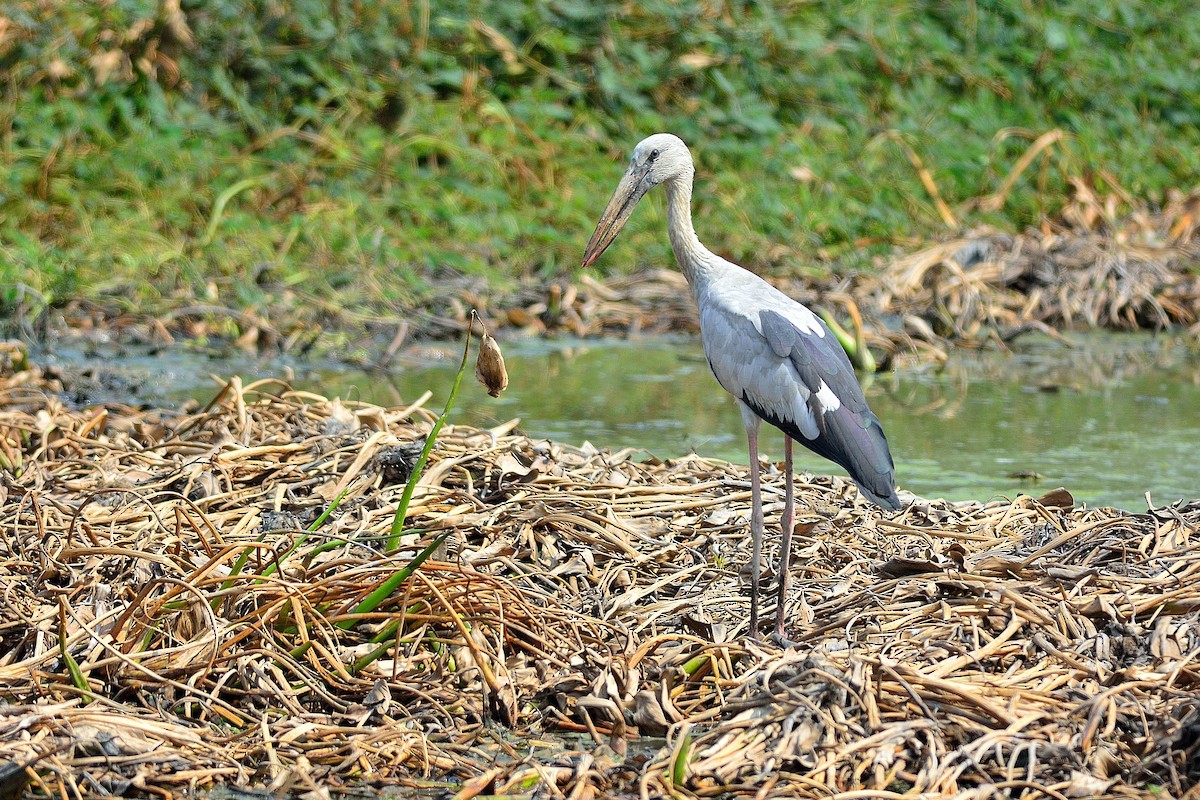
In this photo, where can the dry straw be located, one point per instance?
(175, 614)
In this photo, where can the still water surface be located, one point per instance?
(1110, 419)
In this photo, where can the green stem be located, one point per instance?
(419, 467)
(385, 589)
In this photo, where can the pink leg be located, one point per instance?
(785, 544)
(756, 515)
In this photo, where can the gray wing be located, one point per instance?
(788, 368)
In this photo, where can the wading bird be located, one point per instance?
(777, 358)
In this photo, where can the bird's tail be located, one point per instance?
(856, 441)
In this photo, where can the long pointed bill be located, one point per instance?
(629, 192)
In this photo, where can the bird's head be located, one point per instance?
(656, 159)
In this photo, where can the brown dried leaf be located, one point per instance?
(648, 714)
(1057, 498)
(1084, 784)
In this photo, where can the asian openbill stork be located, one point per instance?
(777, 358)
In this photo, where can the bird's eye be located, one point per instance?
(653, 155)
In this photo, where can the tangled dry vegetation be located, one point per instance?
(175, 614)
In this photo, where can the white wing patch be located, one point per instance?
(828, 400)
(803, 417)
(805, 320)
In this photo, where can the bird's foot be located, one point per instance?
(778, 638)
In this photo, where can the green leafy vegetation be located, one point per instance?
(342, 160)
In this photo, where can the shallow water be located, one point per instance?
(1110, 419)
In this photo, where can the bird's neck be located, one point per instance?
(694, 258)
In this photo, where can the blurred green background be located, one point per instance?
(332, 161)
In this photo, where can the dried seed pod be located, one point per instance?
(489, 367)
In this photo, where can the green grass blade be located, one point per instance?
(385, 589)
(214, 221)
(240, 563)
(78, 679)
(679, 765)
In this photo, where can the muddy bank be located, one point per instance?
(1088, 268)
(180, 611)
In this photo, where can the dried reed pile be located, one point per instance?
(1093, 268)
(174, 614)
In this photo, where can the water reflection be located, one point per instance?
(1109, 419)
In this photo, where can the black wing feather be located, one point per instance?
(850, 435)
